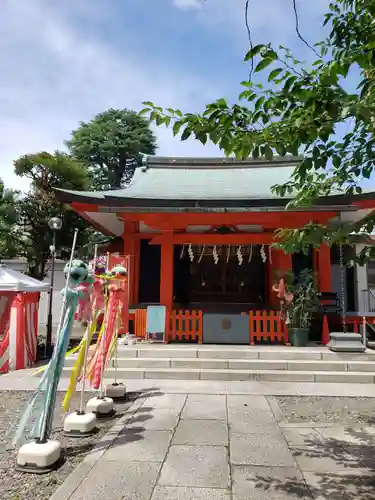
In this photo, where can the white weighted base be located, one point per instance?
(79, 424)
(101, 407)
(38, 458)
(116, 391)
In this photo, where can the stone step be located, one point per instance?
(241, 364)
(239, 375)
(240, 352)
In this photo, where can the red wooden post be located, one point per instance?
(323, 264)
(166, 271)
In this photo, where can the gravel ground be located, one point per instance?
(328, 409)
(20, 486)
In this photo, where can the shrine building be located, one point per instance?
(199, 231)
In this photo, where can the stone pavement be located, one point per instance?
(221, 447)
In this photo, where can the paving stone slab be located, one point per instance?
(210, 399)
(201, 432)
(268, 483)
(350, 484)
(302, 436)
(118, 481)
(250, 422)
(183, 493)
(351, 435)
(213, 408)
(260, 449)
(249, 402)
(157, 420)
(200, 466)
(133, 446)
(172, 401)
(323, 458)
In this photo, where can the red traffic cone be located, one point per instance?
(325, 331)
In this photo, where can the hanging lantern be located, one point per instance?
(191, 253)
(263, 254)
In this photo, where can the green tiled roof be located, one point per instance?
(207, 180)
(201, 179)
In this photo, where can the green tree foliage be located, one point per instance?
(9, 238)
(46, 172)
(111, 144)
(300, 110)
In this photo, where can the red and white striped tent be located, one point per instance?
(19, 302)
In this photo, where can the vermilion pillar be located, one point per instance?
(166, 271)
(279, 261)
(323, 263)
(130, 248)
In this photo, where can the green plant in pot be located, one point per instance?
(298, 301)
(300, 311)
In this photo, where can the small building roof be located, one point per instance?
(14, 281)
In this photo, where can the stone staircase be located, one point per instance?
(262, 363)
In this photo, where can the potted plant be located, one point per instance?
(298, 301)
(305, 302)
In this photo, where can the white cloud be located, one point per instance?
(187, 4)
(53, 77)
(269, 20)
(55, 72)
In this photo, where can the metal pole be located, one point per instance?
(50, 297)
(87, 346)
(102, 350)
(47, 405)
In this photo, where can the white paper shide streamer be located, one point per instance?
(239, 255)
(263, 254)
(215, 255)
(191, 253)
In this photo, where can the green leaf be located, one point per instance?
(170, 110)
(148, 103)
(201, 136)
(280, 149)
(259, 103)
(274, 74)
(186, 134)
(176, 127)
(263, 64)
(268, 153)
(253, 52)
(159, 120)
(144, 111)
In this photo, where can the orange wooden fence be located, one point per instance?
(185, 326)
(140, 319)
(267, 326)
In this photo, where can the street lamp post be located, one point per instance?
(55, 225)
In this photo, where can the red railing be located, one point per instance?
(185, 326)
(267, 326)
(140, 320)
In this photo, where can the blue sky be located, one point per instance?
(63, 61)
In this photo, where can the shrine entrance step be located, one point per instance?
(263, 363)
